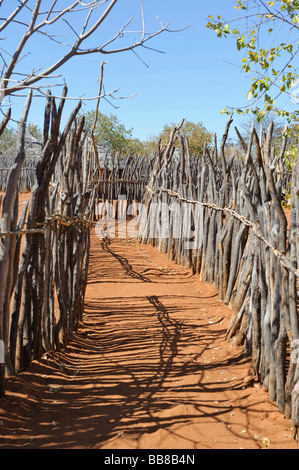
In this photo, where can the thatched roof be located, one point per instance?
(107, 159)
(33, 149)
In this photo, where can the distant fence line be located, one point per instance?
(26, 181)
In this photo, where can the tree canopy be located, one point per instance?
(7, 139)
(198, 136)
(112, 134)
(109, 131)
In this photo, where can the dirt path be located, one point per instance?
(149, 368)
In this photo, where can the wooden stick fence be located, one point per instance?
(26, 181)
(43, 275)
(129, 180)
(284, 261)
(225, 221)
(222, 218)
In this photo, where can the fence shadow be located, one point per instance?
(121, 375)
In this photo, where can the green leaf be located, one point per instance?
(240, 5)
(240, 42)
(226, 29)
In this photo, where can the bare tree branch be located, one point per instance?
(41, 22)
(13, 15)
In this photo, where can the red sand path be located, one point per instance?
(149, 368)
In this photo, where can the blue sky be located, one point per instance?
(194, 78)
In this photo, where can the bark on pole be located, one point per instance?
(6, 255)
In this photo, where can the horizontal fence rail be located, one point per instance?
(284, 261)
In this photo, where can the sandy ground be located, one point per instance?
(148, 368)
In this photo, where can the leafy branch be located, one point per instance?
(274, 68)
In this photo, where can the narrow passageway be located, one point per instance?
(149, 368)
